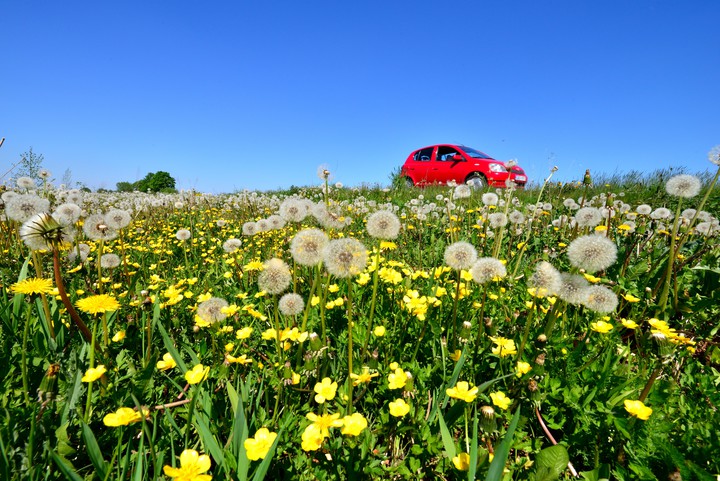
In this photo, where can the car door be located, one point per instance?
(420, 166)
(447, 168)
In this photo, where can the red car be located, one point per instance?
(440, 164)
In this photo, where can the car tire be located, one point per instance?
(476, 181)
(409, 182)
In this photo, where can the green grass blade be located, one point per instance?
(497, 466)
(94, 451)
(447, 439)
(65, 467)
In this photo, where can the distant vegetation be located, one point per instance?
(159, 181)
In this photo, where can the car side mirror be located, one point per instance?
(457, 158)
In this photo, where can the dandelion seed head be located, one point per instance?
(588, 217)
(211, 311)
(714, 155)
(600, 299)
(118, 218)
(95, 228)
(497, 220)
(291, 304)
(661, 213)
(67, 214)
(545, 280)
(516, 217)
(307, 246)
(25, 183)
(573, 288)
(383, 224)
(275, 276)
(460, 255)
(462, 191)
(683, 185)
(22, 207)
(42, 232)
(346, 257)
(249, 228)
(487, 269)
(276, 222)
(592, 253)
(183, 234)
(109, 261)
(489, 198)
(293, 210)
(231, 245)
(83, 249)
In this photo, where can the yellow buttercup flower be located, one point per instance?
(32, 286)
(167, 362)
(522, 368)
(312, 438)
(455, 356)
(399, 408)
(379, 331)
(601, 326)
(638, 409)
(500, 399)
(463, 391)
(196, 374)
(364, 377)
(397, 379)
(325, 390)
(461, 461)
(98, 304)
(324, 422)
(354, 424)
(94, 373)
(123, 417)
(257, 447)
(629, 324)
(192, 467)
(630, 298)
(503, 347)
(119, 336)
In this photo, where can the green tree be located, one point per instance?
(30, 165)
(125, 187)
(156, 182)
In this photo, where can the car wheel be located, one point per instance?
(476, 181)
(409, 182)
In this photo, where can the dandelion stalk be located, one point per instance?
(526, 332)
(66, 301)
(373, 300)
(662, 303)
(350, 347)
(23, 354)
(43, 297)
(521, 252)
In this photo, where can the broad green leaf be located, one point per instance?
(551, 462)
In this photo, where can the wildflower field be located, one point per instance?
(559, 332)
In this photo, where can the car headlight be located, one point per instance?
(497, 168)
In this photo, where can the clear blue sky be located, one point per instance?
(230, 95)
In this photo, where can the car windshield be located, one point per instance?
(475, 154)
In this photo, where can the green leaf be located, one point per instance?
(447, 439)
(169, 344)
(207, 438)
(94, 452)
(497, 466)
(65, 467)
(551, 462)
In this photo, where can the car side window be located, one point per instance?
(445, 153)
(423, 155)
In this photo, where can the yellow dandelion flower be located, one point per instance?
(98, 304)
(35, 285)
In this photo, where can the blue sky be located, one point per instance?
(231, 95)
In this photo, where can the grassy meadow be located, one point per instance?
(564, 331)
